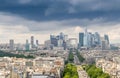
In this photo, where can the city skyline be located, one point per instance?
(73, 35)
(32, 39)
(59, 39)
(21, 19)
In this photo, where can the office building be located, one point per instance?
(103, 45)
(11, 44)
(97, 40)
(59, 40)
(61, 36)
(86, 41)
(90, 39)
(81, 39)
(37, 42)
(60, 43)
(27, 46)
(54, 40)
(106, 38)
(65, 38)
(32, 41)
(107, 41)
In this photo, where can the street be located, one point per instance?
(76, 60)
(81, 72)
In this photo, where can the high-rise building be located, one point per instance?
(32, 41)
(97, 40)
(103, 44)
(27, 46)
(90, 39)
(61, 36)
(86, 41)
(11, 44)
(93, 41)
(47, 44)
(59, 40)
(107, 41)
(37, 42)
(27, 42)
(106, 38)
(54, 40)
(81, 39)
(65, 38)
(60, 43)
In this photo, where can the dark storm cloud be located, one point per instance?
(48, 10)
(24, 17)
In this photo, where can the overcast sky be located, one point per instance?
(20, 19)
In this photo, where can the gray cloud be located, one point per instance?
(47, 10)
(35, 26)
(45, 16)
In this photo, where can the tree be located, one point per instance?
(95, 72)
(80, 57)
(70, 71)
(71, 57)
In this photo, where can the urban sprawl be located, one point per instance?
(90, 56)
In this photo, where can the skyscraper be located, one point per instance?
(104, 45)
(37, 42)
(106, 38)
(97, 39)
(65, 38)
(27, 46)
(61, 36)
(11, 44)
(81, 39)
(90, 39)
(86, 38)
(59, 40)
(27, 42)
(53, 40)
(93, 40)
(60, 43)
(107, 41)
(32, 41)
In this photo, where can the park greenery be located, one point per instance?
(80, 57)
(8, 54)
(70, 71)
(95, 72)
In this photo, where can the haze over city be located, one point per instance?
(20, 19)
(59, 38)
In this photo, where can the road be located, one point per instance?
(76, 60)
(82, 73)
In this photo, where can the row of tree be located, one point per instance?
(3, 54)
(70, 57)
(95, 72)
(70, 71)
(80, 57)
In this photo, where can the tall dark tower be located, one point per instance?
(27, 46)
(32, 41)
(11, 44)
(37, 42)
(81, 39)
